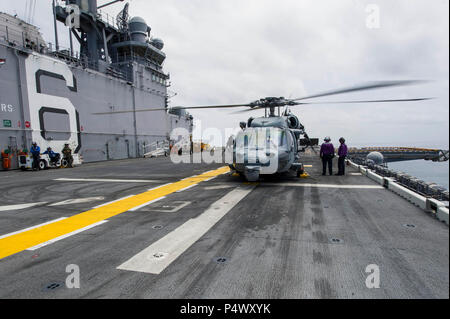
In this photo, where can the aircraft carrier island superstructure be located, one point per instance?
(48, 94)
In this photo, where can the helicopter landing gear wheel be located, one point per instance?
(300, 171)
(251, 175)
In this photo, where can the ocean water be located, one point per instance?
(427, 171)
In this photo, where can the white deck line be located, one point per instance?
(145, 204)
(354, 186)
(104, 204)
(190, 186)
(19, 206)
(78, 201)
(159, 186)
(159, 255)
(32, 227)
(66, 235)
(106, 180)
(206, 180)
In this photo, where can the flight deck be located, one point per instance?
(148, 228)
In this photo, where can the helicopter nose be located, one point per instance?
(260, 156)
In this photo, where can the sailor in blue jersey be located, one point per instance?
(54, 157)
(35, 151)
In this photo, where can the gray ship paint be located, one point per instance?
(50, 99)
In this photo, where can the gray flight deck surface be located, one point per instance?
(277, 241)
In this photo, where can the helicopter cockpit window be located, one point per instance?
(261, 137)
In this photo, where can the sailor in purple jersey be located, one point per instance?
(327, 154)
(342, 153)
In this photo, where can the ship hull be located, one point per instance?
(53, 102)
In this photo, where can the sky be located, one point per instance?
(237, 51)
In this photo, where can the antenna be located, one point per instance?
(27, 10)
(122, 19)
(33, 10)
(54, 25)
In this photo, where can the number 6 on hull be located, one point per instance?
(40, 103)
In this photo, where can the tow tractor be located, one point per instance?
(26, 161)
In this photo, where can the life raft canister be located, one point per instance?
(6, 159)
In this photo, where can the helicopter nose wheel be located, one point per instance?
(251, 175)
(300, 170)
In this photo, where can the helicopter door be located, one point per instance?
(292, 147)
(292, 142)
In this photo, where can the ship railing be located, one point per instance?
(417, 185)
(126, 58)
(75, 59)
(72, 57)
(435, 155)
(156, 148)
(392, 149)
(21, 39)
(108, 19)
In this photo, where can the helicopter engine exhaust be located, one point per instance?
(293, 121)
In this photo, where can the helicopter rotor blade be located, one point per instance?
(129, 111)
(174, 108)
(345, 102)
(369, 86)
(211, 106)
(365, 87)
(368, 101)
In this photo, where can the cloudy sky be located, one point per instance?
(237, 51)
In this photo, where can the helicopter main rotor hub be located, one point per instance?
(271, 102)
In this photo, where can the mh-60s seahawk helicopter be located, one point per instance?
(271, 144)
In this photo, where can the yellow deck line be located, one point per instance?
(19, 242)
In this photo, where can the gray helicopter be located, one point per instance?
(268, 145)
(272, 144)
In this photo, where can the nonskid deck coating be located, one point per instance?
(279, 241)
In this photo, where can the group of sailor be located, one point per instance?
(327, 153)
(35, 151)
